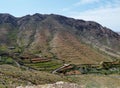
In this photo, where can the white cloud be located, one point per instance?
(108, 16)
(107, 12)
(83, 2)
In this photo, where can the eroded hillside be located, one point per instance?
(68, 39)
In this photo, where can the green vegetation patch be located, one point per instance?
(46, 66)
(6, 60)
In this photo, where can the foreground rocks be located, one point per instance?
(55, 85)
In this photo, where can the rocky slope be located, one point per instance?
(71, 40)
(55, 85)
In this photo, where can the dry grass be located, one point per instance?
(10, 77)
(96, 81)
(13, 76)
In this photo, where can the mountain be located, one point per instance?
(53, 36)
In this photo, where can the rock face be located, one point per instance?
(58, 36)
(55, 85)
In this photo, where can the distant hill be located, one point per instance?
(54, 36)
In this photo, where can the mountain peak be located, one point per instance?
(7, 18)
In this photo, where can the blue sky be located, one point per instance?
(105, 12)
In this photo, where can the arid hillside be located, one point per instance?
(54, 36)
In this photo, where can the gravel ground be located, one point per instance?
(55, 85)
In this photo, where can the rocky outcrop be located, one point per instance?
(55, 85)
